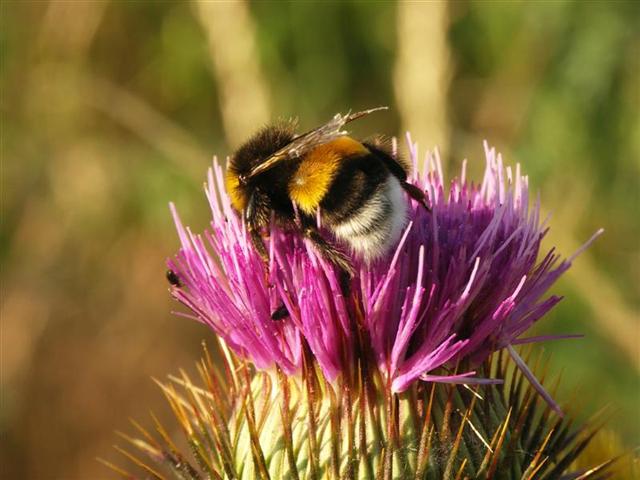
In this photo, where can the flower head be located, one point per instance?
(465, 280)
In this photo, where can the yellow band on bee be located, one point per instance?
(238, 201)
(313, 178)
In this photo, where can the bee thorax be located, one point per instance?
(378, 224)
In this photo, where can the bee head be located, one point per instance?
(251, 154)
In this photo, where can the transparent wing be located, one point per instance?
(304, 143)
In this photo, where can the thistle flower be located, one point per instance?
(368, 385)
(463, 282)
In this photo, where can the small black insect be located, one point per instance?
(173, 279)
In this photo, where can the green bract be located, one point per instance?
(243, 424)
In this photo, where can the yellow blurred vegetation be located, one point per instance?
(112, 109)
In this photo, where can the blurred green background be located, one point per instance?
(112, 109)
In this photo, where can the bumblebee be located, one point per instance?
(353, 188)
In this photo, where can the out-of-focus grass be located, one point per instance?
(110, 110)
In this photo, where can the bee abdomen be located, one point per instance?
(373, 228)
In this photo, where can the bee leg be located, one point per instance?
(280, 313)
(333, 255)
(328, 251)
(258, 244)
(256, 216)
(345, 283)
(416, 193)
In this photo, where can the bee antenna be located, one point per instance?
(349, 117)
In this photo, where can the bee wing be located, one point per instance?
(306, 142)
